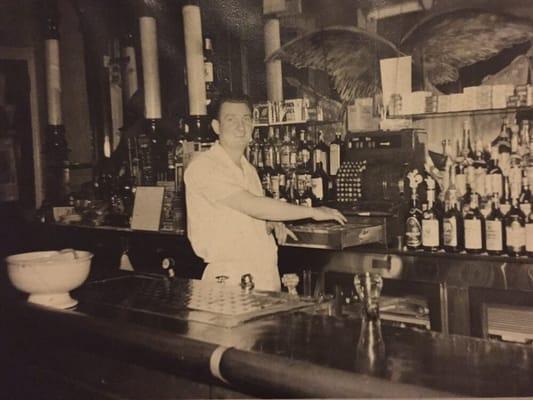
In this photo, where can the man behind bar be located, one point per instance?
(229, 220)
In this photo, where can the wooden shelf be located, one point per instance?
(310, 122)
(490, 111)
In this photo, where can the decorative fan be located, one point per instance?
(441, 44)
(349, 55)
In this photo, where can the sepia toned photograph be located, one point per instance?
(213, 199)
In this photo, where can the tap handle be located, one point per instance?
(247, 282)
(290, 281)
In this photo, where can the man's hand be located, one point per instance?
(327, 214)
(280, 231)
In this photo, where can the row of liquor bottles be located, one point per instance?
(431, 227)
(501, 223)
(295, 169)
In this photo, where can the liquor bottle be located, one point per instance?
(413, 223)
(505, 198)
(319, 182)
(502, 144)
(529, 234)
(524, 139)
(335, 149)
(255, 149)
(495, 228)
(293, 159)
(178, 158)
(468, 157)
(496, 174)
(269, 151)
(480, 169)
(321, 152)
(210, 74)
(431, 221)
(515, 229)
(474, 227)
(452, 221)
(285, 153)
(303, 155)
(524, 200)
(461, 166)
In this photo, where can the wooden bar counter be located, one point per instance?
(107, 352)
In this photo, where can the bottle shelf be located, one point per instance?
(490, 111)
(284, 123)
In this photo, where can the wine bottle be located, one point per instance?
(515, 229)
(303, 155)
(431, 221)
(495, 228)
(474, 227)
(453, 226)
(321, 152)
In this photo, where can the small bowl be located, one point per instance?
(49, 276)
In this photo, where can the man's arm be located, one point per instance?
(274, 210)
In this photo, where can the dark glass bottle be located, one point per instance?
(474, 228)
(495, 228)
(515, 229)
(321, 153)
(453, 226)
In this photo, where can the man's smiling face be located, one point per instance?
(235, 125)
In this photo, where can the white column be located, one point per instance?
(274, 77)
(192, 28)
(53, 82)
(131, 82)
(152, 95)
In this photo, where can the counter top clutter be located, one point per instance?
(300, 353)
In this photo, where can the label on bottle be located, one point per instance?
(449, 230)
(293, 158)
(306, 156)
(529, 237)
(413, 232)
(516, 236)
(460, 182)
(208, 72)
(430, 233)
(318, 191)
(494, 235)
(473, 239)
(334, 158)
(282, 180)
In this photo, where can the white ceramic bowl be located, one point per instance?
(49, 276)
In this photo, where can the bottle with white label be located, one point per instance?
(474, 228)
(495, 229)
(452, 221)
(335, 149)
(515, 229)
(431, 225)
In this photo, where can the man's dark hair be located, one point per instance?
(232, 98)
